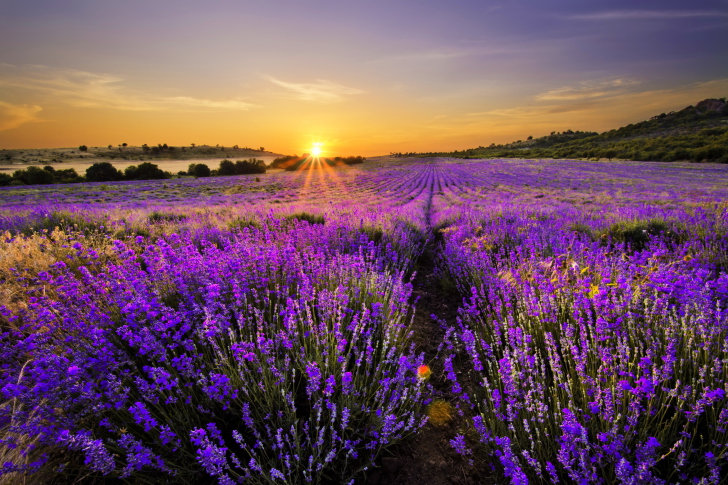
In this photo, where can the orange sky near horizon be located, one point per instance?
(350, 127)
(369, 80)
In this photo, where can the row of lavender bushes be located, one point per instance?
(594, 346)
(276, 351)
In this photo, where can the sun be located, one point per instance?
(316, 150)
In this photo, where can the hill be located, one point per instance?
(697, 133)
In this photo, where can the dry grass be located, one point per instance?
(23, 257)
(440, 413)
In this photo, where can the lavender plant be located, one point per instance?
(591, 361)
(266, 359)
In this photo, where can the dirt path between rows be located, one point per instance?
(427, 458)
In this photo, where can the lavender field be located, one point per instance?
(258, 329)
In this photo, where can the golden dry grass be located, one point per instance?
(440, 413)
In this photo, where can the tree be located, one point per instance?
(262, 149)
(102, 172)
(83, 148)
(148, 171)
(610, 153)
(34, 176)
(124, 145)
(226, 168)
(243, 167)
(130, 172)
(66, 176)
(201, 170)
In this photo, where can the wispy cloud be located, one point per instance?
(588, 90)
(191, 103)
(93, 90)
(14, 115)
(647, 14)
(525, 112)
(598, 111)
(321, 91)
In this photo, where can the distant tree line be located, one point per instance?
(106, 172)
(34, 175)
(294, 162)
(227, 168)
(163, 150)
(98, 172)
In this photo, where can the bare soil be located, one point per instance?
(428, 458)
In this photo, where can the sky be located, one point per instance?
(362, 77)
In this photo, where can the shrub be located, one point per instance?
(145, 171)
(244, 167)
(226, 168)
(157, 217)
(34, 176)
(199, 170)
(103, 172)
(305, 216)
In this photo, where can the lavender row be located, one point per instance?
(593, 336)
(278, 353)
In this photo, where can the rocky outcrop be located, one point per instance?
(711, 104)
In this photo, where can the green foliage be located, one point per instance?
(103, 172)
(635, 234)
(34, 176)
(285, 161)
(158, 217)
(241, 167)
(226, 168)
(375, 234)
(294, 162)
(245, 222)
(305, 216)
(145, 171)
(67, 176)
(350, 160)
(67, 221)
(199, 170)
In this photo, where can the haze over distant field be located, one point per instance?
(361, 77)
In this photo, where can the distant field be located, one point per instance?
(546, 320)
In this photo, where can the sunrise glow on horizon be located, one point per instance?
(370, 79)
(316, 150)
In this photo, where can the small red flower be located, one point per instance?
(424, 372)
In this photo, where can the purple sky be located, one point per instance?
(362, 77)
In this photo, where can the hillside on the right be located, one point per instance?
(696, 133)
